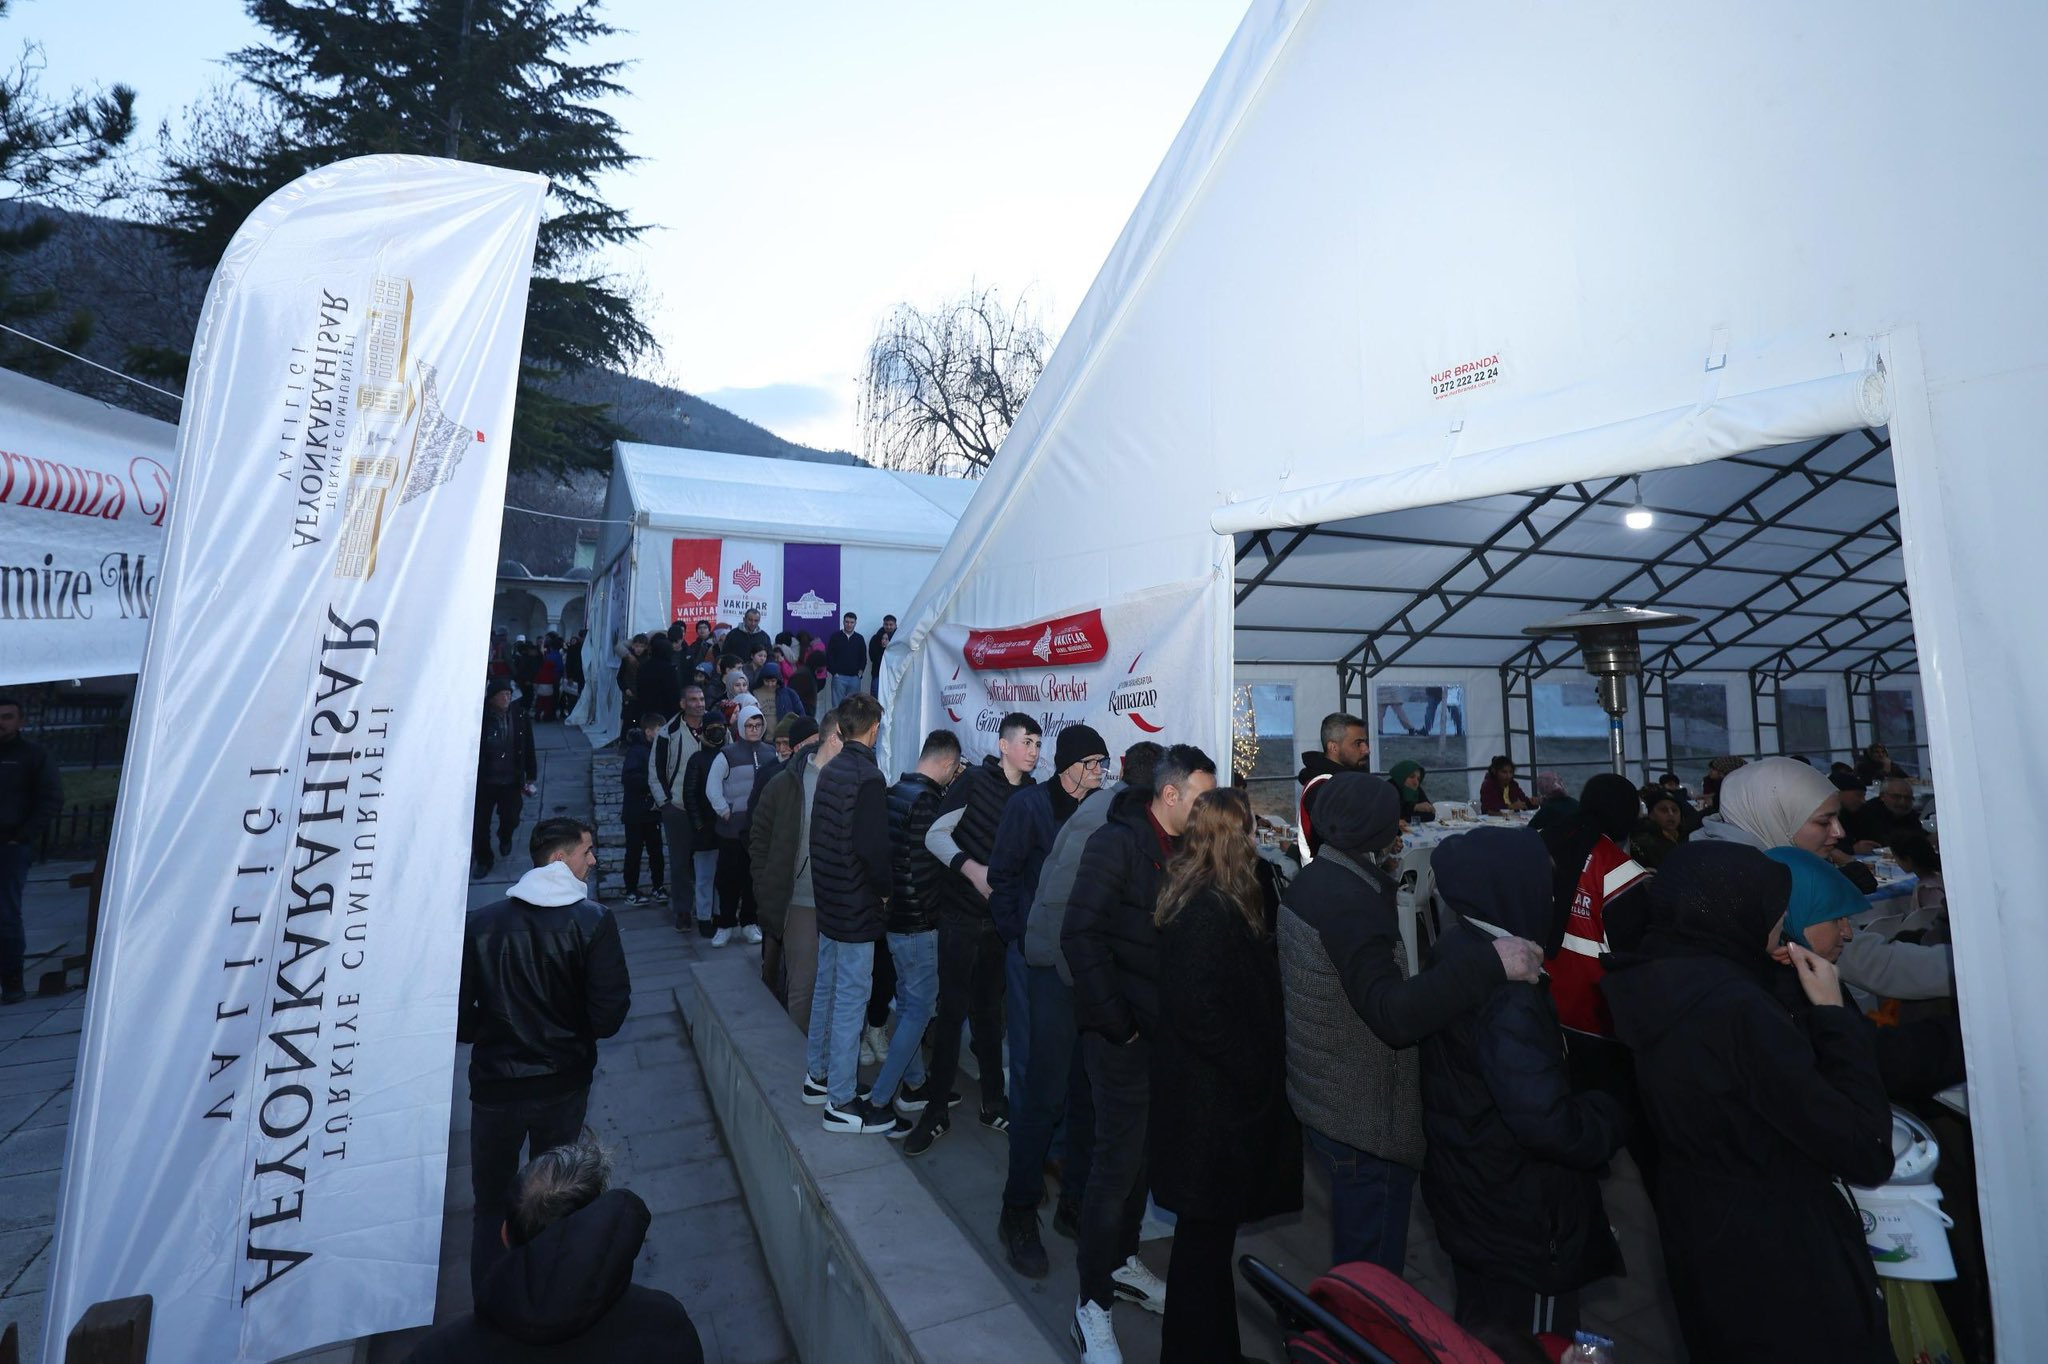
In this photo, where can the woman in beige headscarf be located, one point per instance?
(1779, 803)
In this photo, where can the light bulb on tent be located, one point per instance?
(1639, 516)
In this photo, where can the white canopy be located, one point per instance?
(1399, 258)
(886, 527)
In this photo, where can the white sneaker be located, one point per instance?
(752, 932)
(1135, 1283)
(1094, 1337)
(721, 937)
(874, 1045)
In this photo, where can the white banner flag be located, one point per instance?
(1140, 667)
(750, 579)
(84, 489)
(259, 1132)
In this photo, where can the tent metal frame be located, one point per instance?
(1865, 642)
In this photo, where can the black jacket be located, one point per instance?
(1315, 764)
(742, 644)
(1757, 1114)
(636, 796)
(505, 746)
(540, 985)
(914, 874)
(697, 805)
(981, 794)
(1111, 946)
(657, 690)
(850, 871)
(568, 1294)
(1224, 1144)
(846, 655)
(1511, 1173)
(31, 792)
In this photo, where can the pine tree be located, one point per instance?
(50, 151)
(489, 81)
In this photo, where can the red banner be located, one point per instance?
(1058, 643)
(693, 580)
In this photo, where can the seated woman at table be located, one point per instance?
(1778, 803)
(1875, 764)
(1415, 806)
(1759, 1114)
(1499, 792)
(1661, 830)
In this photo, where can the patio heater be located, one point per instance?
(1614, 653)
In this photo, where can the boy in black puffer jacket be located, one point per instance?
(1511, 1170)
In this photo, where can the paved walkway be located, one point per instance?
(648, 1104)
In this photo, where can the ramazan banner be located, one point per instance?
(693, 580)
(84, 490)
(1135, 668)
(259, 1130)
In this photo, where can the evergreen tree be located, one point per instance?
(50, 152)
(489, 81)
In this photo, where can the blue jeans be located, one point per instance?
(839, 1007)
(14, 858)
(1017, 1019)
(843, 687)
(1369, 1203)
(704, 866)
(917, 998)
(1055, 1086)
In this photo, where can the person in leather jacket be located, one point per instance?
(543, 978)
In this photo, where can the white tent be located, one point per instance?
(886, 529)
(1403, 258)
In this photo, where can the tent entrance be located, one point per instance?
(1790, 558)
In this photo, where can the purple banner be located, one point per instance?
(810, 588)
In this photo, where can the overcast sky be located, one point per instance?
(807, 164)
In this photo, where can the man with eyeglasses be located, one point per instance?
(1024, 837)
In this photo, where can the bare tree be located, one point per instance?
(941, 389)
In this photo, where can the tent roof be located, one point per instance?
(1789, 558)
(720, 494)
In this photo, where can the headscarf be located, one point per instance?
(1611, 804)
(1399, 777)
(1496, 876)
(1717, 900)
(1772, 797)
(1820, 894)
(1358, 815)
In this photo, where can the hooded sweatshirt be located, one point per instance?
(569, 1294)
(1510, 1178)
(729, 785)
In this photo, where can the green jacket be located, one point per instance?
(772, 842)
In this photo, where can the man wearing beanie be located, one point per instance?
(1023, 839)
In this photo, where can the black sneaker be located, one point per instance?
(903, 1128)
(920, 1141)
(814, 1090)
(704, 928)
(504, 847)
(914, 1098)
(14, 996)
(860, 1117)
(1018, 1231)
(1066, 1217)
(996, 1116)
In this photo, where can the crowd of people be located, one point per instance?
(1160, 1010)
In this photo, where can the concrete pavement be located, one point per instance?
(647, 1103)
